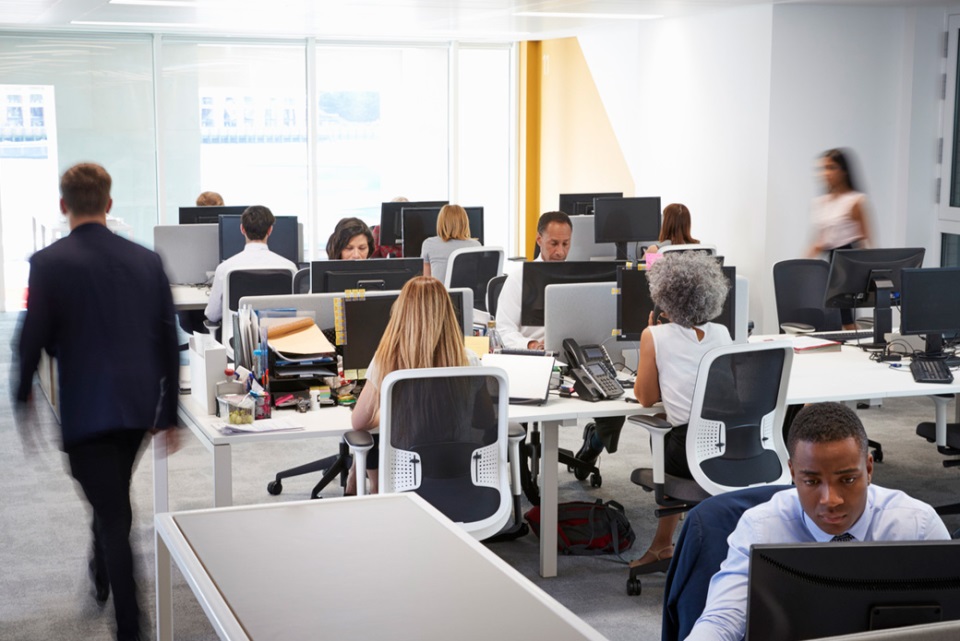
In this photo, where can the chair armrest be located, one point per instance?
(658, 429)
(654, 424)
(359, 440)
(797, 328)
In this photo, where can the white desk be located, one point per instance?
(334, 421)
(189, 297)
(330, 570)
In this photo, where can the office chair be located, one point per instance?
(453, 449)
(690, 247)
(301, 281)
(799, 287)
(250, 282)
(734, 437)
(493, 293)
(473, 267)
(947, 438)
(698, 553)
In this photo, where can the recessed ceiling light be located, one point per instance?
(602, 16)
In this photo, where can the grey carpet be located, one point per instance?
(44, 531)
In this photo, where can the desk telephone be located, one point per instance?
(594, 377)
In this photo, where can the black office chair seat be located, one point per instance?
(682, 491)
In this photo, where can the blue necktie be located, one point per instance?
(843, 538)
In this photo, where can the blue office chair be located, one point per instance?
(444, 434)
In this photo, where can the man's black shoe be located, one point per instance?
(101, 585)
(586, 453)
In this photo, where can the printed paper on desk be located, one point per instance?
(297, 337)
(812, 344)
(529, 376)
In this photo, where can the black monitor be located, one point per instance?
(625, 220)
(869, 278)
(364, 322)
(390, 224)
(813, 590)
(207, 215)
(634, 304)
(420, 223)
(582, 204)
(538, 274)
(930, 306)
(374, 273)
(284, 240)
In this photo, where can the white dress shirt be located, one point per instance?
(890, 515)
(512, 333)
(255, 255)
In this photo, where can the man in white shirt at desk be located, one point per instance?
(833, 501)
(554, 231)
(256, 225)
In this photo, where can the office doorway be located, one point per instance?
(29, 200)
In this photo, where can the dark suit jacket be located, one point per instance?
(102, 306)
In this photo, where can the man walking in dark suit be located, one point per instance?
(101, 305)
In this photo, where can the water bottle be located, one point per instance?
(494, 337)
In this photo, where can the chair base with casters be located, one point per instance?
(331, 466)
(947, 437)
(529, 456)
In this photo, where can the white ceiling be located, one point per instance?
(363, 19)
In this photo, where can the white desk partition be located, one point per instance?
(582, 243)
(189, 252)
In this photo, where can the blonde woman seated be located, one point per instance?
(453, 233)
(675, 227)
(690, 289)
(422, 332)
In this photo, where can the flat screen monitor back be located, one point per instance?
(582, 204)
(420, 223)
(929, 305)
(617, 220)
(813, 590)
(373, 273)
(390, 223)
(365, 322)
(189, 252)
(284, 240)
(849, 282)
(208, 215)
(634, 304)
(538, 274)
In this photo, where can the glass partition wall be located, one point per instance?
(313, 129)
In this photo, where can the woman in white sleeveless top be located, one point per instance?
(840, 215)
(689, 288)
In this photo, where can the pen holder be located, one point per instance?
(263, 407)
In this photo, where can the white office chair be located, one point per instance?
(709, 249)
(444, 434)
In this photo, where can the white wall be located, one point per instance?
(727, 112)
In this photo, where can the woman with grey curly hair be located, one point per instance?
(690, 289)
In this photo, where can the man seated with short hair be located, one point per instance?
(256, 225)
(833, 501)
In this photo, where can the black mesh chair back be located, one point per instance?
(301, 281)
(735, 432)
(493, 293)
(257, 282)
(473, 268)
(800, 286)
(444, 436)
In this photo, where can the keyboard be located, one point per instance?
(933, 370)
(843, 336)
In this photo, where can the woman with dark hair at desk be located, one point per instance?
(422, 332)
(453, 233)
(839, 215)
(689, 288)
(351, 240)
(675, 227)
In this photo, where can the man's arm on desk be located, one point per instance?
(508, 316)
(724, 616)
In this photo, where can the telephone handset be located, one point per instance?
(594, 377)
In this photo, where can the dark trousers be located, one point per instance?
(103, 467)
(608, 431)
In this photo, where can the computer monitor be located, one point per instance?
(813, 590)
(208, 215)
(869, 278)
(390, 224)
(582, 204)
(634, 304)
(626, 220)
(538, 274)
(284, 240)
(364, 322)
(374, 273)
(930, 306)
(420, 223)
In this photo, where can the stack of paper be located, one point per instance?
(808, 344)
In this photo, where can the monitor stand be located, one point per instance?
(882, 314)
(621, 250)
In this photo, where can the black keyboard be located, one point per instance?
(930, 370)
(843, 336)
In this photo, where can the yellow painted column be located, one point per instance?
(531, 83)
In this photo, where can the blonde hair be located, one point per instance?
(422, 331)
(209, 199)
(453, 224)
